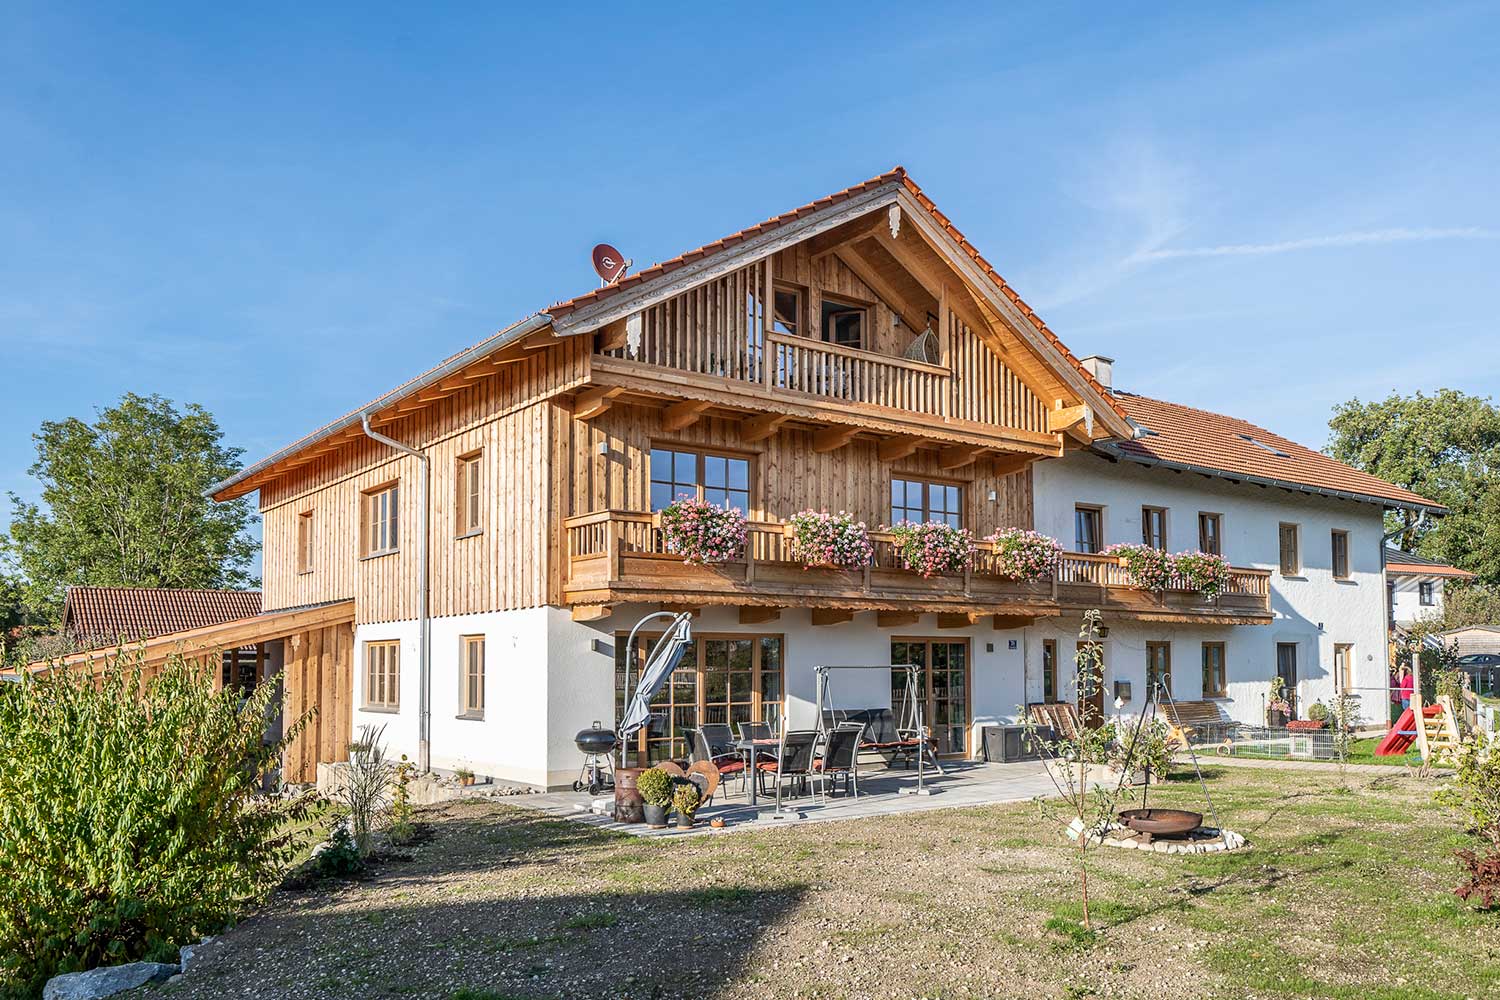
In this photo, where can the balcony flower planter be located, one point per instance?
(702, 533)
(1149, 567)
(932, 548)
(1202, 571)
(1025, 556)
(820, 540)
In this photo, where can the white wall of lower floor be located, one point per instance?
(548, 676)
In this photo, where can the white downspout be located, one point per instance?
(424, 636)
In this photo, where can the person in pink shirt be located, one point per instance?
(1408, 682)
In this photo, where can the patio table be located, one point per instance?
(748, 748)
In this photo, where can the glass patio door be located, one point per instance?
(943, 686)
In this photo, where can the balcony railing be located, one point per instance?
(620, 555)
(833, 372)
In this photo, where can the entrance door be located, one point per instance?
(1091, 692)
(1286, 669)
(943, 679)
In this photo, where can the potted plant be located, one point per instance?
(464, 775)
(701, 532)
(821, 540)
(933, 547)
(1278, 706)
(1027, 556)
(1150, 567)
(686, 799)
(655, 786)
(1202, 571)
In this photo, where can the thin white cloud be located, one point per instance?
(1350, 239)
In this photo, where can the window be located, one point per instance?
(1210, 533)
(843, 323)
(1154, 527)
(1341, 554)
(471, 676)
(382, 520)
(719, 479)
(1088, 524)
(1343, 665)
(788, 312)
(1291, 556)
(305, 542)
(1159, 666)
(1049, 670)
(466, 503)
(1215, 681)
(915, 500)
(383, 676)
(1426, 593)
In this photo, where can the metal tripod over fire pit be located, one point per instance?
(1148, 822)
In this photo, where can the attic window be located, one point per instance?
(1263, 446)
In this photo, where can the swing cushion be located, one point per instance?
(880, 727)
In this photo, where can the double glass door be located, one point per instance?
(942, 685)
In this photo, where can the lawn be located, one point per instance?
(1345, 894)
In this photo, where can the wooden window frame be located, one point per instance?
(468, 490)
(1159, 647)
(847, 304)
(800, 312)
(367, 502)
(1206, 518)
(389, 655)
(1096, 513)
(1427, 593)
(1222, 690)
(467, 708)
(927, 482)
(701, 453)
(968, 724)
(1147, 513)
(1335, 556)
(1281, 550)
(1049, 683)
(305, 541)
(1344, 677)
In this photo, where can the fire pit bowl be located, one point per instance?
(1161, 822)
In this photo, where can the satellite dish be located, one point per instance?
(609, 263)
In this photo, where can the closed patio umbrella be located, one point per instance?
(662, 660)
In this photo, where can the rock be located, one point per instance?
(106, 981)
(185, 955)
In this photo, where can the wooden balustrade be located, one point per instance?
(605, 550)
(833, 372)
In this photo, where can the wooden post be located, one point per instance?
(1419, 719)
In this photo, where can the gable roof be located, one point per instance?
(1189, 439)
(1412, 564)
(130, 614)
(892, 180)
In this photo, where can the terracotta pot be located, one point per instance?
(629, 806)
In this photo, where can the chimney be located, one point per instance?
(1101, 368)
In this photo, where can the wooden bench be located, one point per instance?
(1061, 716)
(1196, 722)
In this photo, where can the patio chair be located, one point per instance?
(729, 764)
(759, 732)
(794, 759)
(720, 737)
(840, 759)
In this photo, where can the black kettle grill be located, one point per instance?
(596, 744)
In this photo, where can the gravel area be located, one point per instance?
(1344, 893)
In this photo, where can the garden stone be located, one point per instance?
(106, 981)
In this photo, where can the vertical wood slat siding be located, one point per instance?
(717, 328)
(319, 674)
(505, 415)
(985, 390)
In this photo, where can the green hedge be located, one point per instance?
(130, 815)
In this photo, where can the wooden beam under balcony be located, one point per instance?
(896, 448)
(752, 615)
(833, 438)
(896, 619)
(592, 402)
(683, 415)
(957, 620)
(957, 456)
(1005, 465)
(831, 616)
(1003, 622)
(612, 336)
(761, 427)
(591, 612)
(539, 341)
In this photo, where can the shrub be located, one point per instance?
(131, 819)
(1318, 712)
(1025, 555)
(402, 828)
(367, 788)
(1151, 568)
(340, 858)
(1202, 571)
(1475, 792)
(1152, 750)
(933, 547)
(702, 532)
(686, 798)
(655, 786)
(821, 539)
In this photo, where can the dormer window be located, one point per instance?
(844, 323)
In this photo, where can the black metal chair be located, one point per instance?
(759, 732)
(729, 764)
(840, 759)
(794, 759)
(720, 737)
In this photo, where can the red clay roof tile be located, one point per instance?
(130, 614)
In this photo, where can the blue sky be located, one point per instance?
(281, 212)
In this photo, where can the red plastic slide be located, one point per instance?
(1404, 733)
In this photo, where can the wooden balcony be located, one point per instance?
(617, 556)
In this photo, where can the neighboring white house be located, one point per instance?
(1414, 586)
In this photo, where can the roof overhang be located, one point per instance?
(1109, 450)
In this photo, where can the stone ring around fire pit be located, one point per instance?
(1199, 840)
